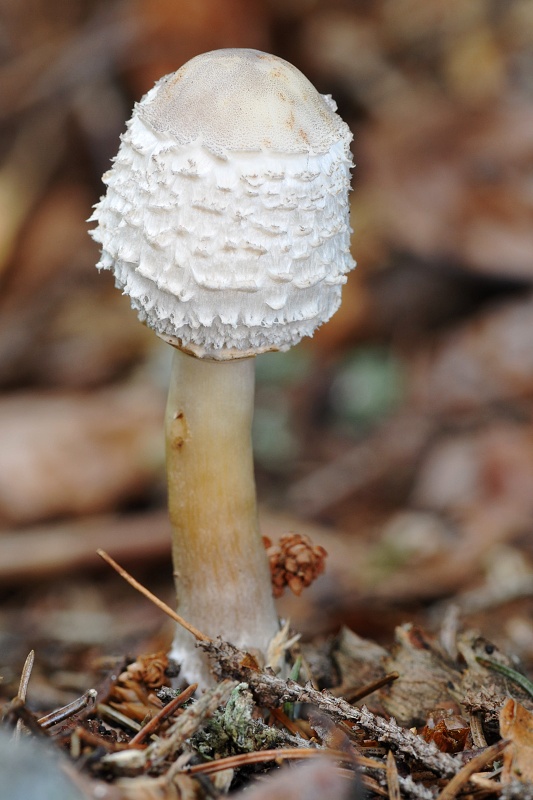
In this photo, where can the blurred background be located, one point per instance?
(400, 437)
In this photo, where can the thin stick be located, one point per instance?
(23, 687)
(476, 729)
(65, 712)
(475, 764)
(19, 710)
(80, 734)
(117, 716)
(291, 726)
(166, 711)
(261, 756)
(354, 695)
(25, 675)
(393, 783)
(266, 687)
(201, 637)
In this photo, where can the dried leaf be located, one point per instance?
(427, 678)
(516, 724)
(487, 359)
(358, 660)
(77, 454)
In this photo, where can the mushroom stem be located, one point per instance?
(220, 565)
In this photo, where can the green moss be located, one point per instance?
(233, 730)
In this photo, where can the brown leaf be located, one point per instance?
(77, 454)
(427, 678)
(448, 183)
(359, 661)
(516, 724)
(485, 360)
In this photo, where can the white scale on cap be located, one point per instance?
(226, 217)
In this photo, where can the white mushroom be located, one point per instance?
(226, 222)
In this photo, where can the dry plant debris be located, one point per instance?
(516, 724)
(294, 562)
(144, 739)
(427, 504)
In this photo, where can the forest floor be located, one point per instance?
(400, 439)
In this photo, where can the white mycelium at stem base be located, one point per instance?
(226, 221)
(222, 576)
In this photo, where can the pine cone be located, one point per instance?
(294, 562)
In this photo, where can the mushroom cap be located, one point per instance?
(226, 216)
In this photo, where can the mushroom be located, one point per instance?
(226, 222)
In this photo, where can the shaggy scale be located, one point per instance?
(230, 251)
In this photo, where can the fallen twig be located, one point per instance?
(393, 783)
(261, 757)
(228, 662)
(23, 686)
(166, 747)
(270, 691)
(18, 709)
(201, 637)
(474, 765)
(354, 695)
(65, 712)
(166, 711)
